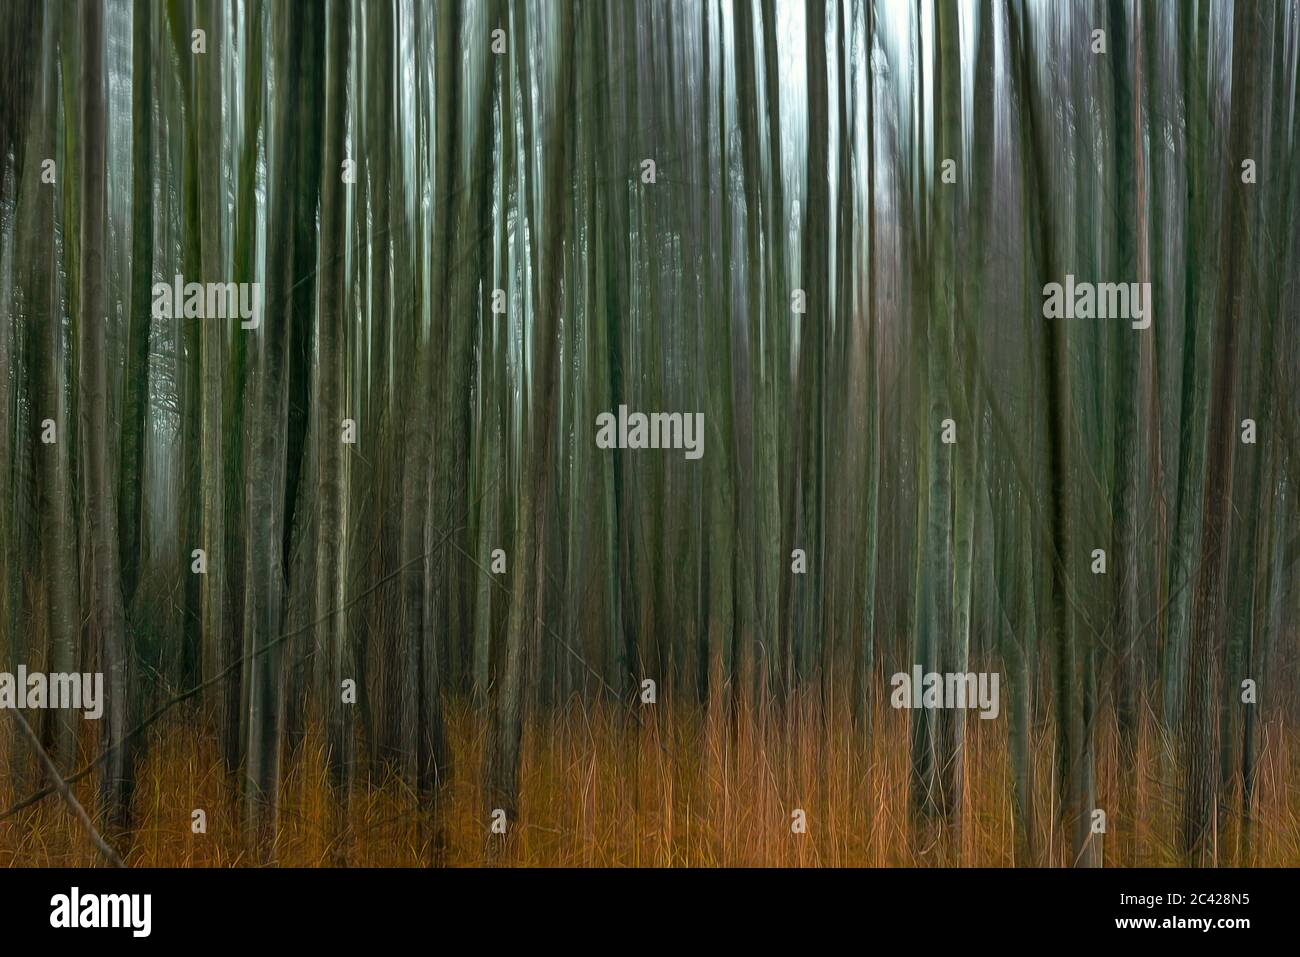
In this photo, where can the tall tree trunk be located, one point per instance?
(53, 461)
(266, 489)
(206, 89)
(1074, 751)
(530, 548)
(108, 624)
(332, 530)
(1201, 725)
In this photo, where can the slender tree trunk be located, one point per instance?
(108, 624)
(332, 530)
(531, 544)
(1201, 725)
(266, 456)
(1074, 751)
(53, 461)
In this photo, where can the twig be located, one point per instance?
(65, 792)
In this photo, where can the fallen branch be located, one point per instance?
(61, 786)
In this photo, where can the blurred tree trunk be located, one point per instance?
(717, 464)
(108, 624)
(1201, 719)
(421, 643)
(1128, 154)
(48, 382)
(864, 700)
(206, 91)
(136, 398)
(530, 548)
(489, 490)
(332, 538)
(1074, 751)
(251, 179)
(267, 450)
(1193, 36)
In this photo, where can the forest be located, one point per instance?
(572, 432)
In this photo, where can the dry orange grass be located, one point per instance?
(681, 790)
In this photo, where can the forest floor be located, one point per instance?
(681, 790)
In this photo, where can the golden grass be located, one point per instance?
(596, 789)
